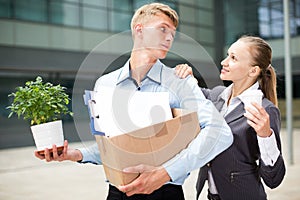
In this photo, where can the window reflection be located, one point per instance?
(271, 19)
(63, 13)
(94, 18)
(5, 8)
(115, 15)
(124, 5)
(33, 10)
(120, 21)
(95, 2)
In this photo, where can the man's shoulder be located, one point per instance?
(108, 79)
(112, 74)
(171, 81)
(168, 73)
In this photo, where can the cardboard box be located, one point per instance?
(152, 145)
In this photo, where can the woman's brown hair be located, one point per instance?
(262, 57)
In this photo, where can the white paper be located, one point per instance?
(252, 96)
(119, 111)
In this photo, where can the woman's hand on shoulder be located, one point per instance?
(183, 70)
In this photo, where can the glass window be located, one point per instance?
(206, 35)
(33, 10)
(263, 14)
(189, 30)
(270, 15)
(64, 13)
(276, 14)
(139, 3)
(277, 29)
(95, 2)
(120, 21)
(5, 8)
(188, 14)
(298, 26)
(264, 30)
(120, 5)
(95, 18)
(277, 5)
(169, 3)
(72, 1)
(205, 4)
(297, 8)
(205, 17)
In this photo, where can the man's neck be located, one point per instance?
(140, 64)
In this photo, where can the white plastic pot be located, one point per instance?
(47, 134)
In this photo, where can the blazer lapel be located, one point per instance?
(235, 114)
(219, 103)
(216, 99)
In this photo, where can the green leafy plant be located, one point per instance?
(39, 102)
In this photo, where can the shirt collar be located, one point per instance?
(154, 73)
(255, 86)
(125, 73)
(227, 92)
(254, 90)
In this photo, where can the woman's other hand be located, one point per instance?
(259, 120)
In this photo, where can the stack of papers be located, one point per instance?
(116, 111)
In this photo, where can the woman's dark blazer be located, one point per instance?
(238, 171)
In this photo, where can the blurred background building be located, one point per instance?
(51, 38)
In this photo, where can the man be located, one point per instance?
(153, 29)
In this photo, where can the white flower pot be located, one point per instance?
(47, 134)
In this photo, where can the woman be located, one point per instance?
(256, 151)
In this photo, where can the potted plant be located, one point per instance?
(43, 104)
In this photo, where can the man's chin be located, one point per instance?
(162, 55)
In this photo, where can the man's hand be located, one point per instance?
(150, 179)
(67, 154)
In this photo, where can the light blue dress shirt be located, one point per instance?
(215, 135)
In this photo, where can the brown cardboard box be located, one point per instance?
(152, 145)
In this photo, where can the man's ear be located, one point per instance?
(254, 71)
(138, 29)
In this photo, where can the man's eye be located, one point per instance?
(163, 29)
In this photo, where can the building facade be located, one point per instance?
(53, 38)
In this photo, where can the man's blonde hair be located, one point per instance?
(144, 13)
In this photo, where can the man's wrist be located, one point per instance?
(78, 156)
(164, 174)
